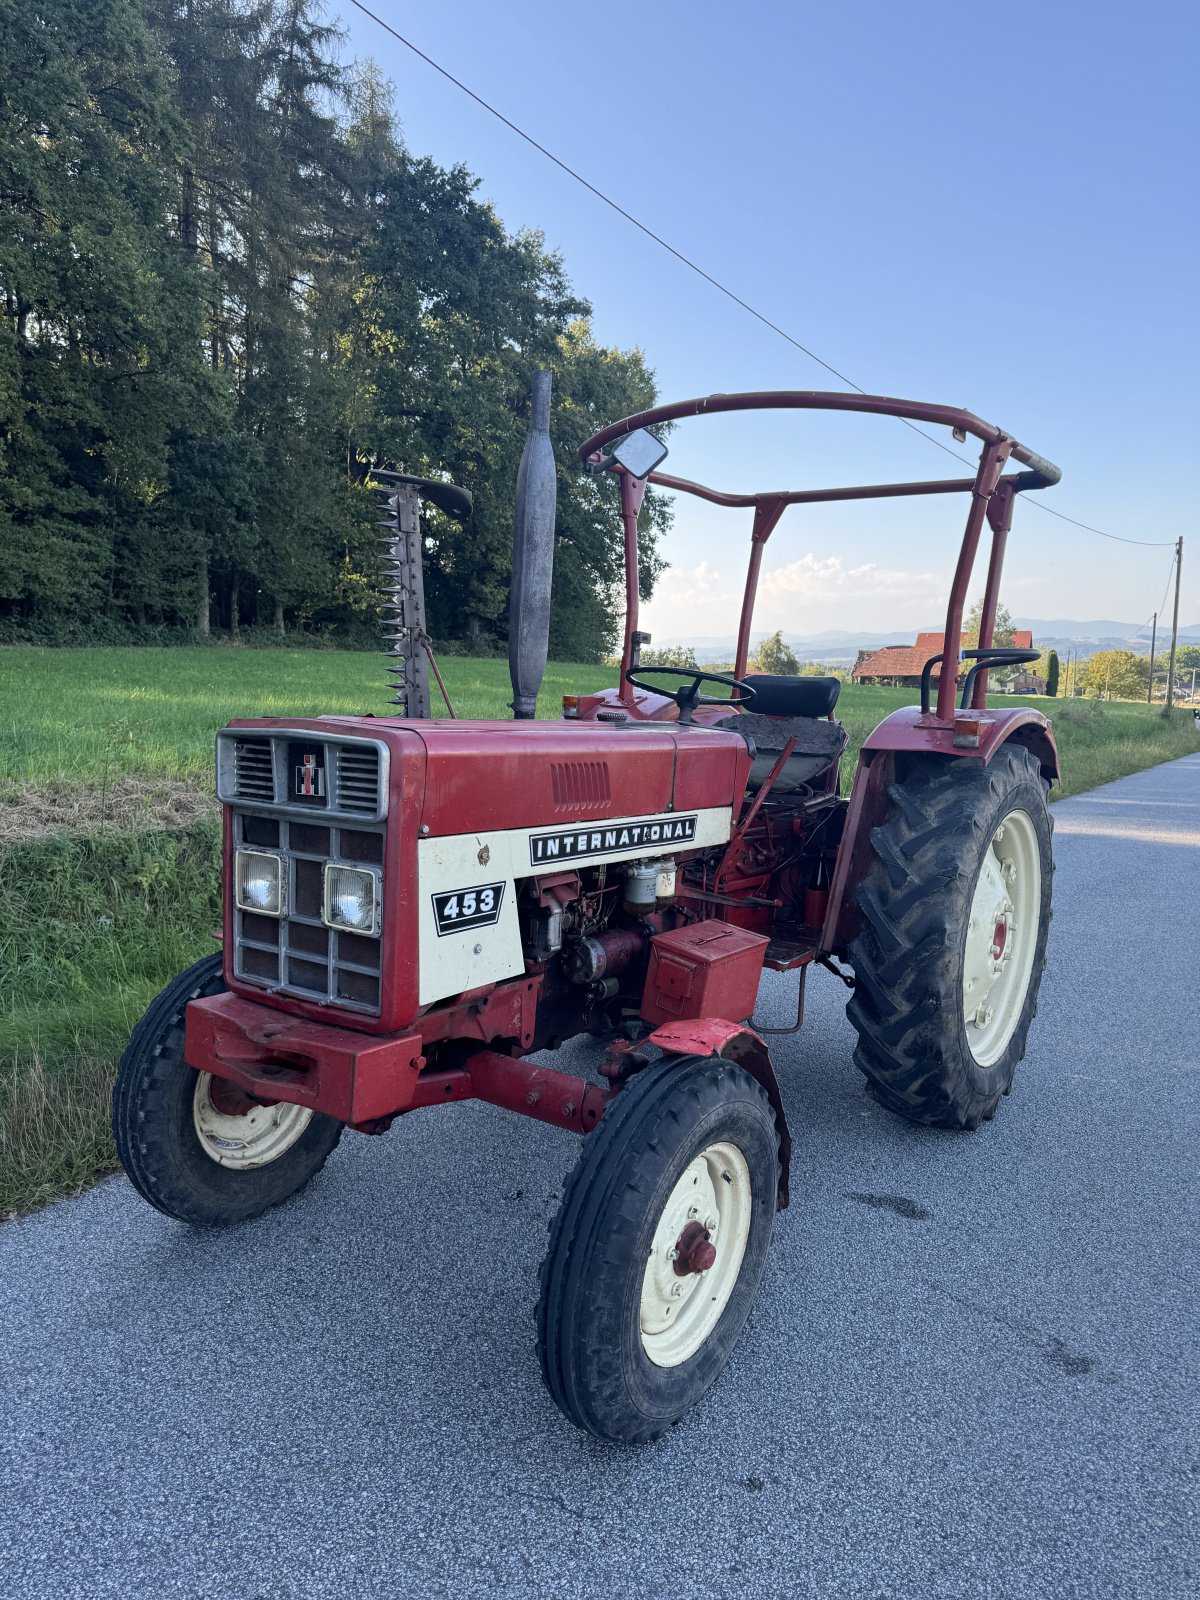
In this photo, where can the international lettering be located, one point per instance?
(570, 844)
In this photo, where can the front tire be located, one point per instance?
(658, 1248)
(192, 1144)
(955, 912)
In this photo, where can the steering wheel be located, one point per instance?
(688, 697)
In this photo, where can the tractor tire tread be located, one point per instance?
(605, 1196)
(144, 1114)
(917, 890)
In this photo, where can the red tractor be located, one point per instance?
(417, 909)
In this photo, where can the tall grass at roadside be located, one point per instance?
(93, 927)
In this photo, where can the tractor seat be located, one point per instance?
(819, 743)
(778, 696)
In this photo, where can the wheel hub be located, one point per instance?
(694, 1250)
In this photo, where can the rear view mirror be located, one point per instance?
(639, 453)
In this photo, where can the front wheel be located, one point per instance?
(658, 1248)
(194, 1145)
(955, 911)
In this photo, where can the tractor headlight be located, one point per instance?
(351, 899)
(259, 883)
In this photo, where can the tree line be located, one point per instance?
(229, 291)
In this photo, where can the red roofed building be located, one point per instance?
(902, 664)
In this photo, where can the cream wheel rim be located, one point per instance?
(1002, 933)
(710, 1206)
(255, 1138)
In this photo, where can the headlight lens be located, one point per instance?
(259, 883)
(351, 899)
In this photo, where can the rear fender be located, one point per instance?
(908, 731)
(733, 1041)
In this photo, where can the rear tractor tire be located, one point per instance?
(194, 1145)
(955, 910)
(658, 1249)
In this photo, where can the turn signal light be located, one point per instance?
(570, 705)
(967, 729)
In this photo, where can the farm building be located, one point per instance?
(901, 664)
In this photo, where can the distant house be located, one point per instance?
(902, 664)
(1023, 682)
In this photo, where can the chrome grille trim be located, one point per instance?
(252, 769)
(356, 784)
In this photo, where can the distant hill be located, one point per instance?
(838, 647)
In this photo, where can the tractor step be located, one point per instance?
(792, 945)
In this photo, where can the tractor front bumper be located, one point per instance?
(355, 1077)
(366, 1080)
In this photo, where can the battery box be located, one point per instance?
(707, 969)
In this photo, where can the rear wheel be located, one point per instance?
(658, 1248)
(955, 911)
(193, 1144)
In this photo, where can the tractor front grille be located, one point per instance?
(296, 953)
(301, 769)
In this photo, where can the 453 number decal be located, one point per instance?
(460, 909)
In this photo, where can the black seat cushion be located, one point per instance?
(778, 696)
(818, 745)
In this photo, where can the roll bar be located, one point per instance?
(992, 491)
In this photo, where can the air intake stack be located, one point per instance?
(533, 557)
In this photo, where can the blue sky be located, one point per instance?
(990, 208)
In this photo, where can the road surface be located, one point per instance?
(972, 1370)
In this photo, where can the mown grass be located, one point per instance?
(93, 924)
(74, 715)
(91, 717)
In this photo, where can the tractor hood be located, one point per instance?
(465, 808)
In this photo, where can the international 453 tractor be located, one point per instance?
(417, 909)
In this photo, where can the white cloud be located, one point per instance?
(807, 595)
(813, 578)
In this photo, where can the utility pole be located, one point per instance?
(1153, 636)
(1174, 624)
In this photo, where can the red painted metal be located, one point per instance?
(484, 776)
(998, 446)
(999, 516)
(359, 1079)
(990, 465)
(767, 513)
(821, 400)
(694, 1250)
(907, 729)
(633, 491)
(705, 969)
(344, 1073)
(732, 1041)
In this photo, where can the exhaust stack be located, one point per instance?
(533, 557)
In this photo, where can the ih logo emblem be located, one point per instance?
(308, 774)
(310, 778)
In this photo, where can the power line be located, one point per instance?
(695, 267)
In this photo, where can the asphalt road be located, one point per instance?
(972, 1370)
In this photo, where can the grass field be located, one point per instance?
(108, 848)
(94, 717)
